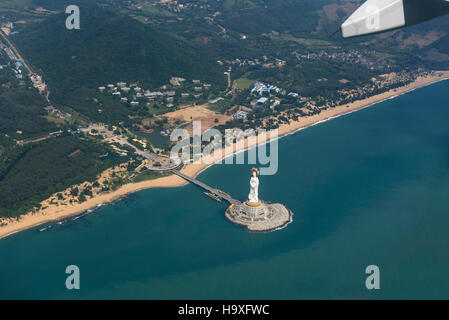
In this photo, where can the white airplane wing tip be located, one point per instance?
(374, 16)
(383, 15)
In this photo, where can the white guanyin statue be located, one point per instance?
(253, 196)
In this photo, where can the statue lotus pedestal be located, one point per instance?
(254, 210)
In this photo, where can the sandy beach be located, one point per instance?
(55, 212)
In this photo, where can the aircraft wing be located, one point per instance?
(376, 16)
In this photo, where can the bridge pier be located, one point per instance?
(275, 216)
(216, 192)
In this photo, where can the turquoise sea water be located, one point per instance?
(367, 188)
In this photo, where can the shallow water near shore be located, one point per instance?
(371, 187)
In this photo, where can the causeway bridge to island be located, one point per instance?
(216, 192)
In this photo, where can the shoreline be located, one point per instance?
(58, 213)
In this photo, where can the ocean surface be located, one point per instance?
(368, 188)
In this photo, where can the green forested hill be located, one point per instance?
(31, 173)
(23, 110)
(279, 15)
(43, 169)
(59, 5)
(110, 48)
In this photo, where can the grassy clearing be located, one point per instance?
(148, 8)
(306, 42)
(157, 108)
(148, 175)
(244, 83)
(221, 106)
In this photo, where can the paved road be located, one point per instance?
(51, 135)
(16, 52)
(111, 137)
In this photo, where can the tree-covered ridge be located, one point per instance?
(50, 167)
(22, 113)
(9, 153)
(32, 171)
(60, 5)
(281, 15)
(110, 47)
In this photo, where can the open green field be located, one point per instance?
(238, 4)
(157, 108)
(221, 106)
(303, 41)
(148, 8)
(244, 83)
(148, 175)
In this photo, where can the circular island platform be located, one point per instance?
(259, 217)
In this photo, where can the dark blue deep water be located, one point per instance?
(367, 188)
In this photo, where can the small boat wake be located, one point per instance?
(45, 228)
(67, 221)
